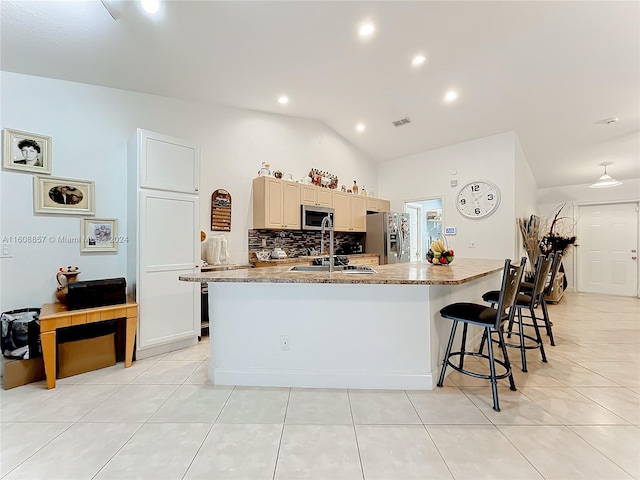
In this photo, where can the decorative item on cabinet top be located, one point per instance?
(323, 179)
(221, 210)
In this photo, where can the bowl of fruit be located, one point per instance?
(440, 253)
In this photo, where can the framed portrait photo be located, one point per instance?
(26, 152)
(63, 196)
(98, 235)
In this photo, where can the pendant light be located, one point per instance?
(605, 180)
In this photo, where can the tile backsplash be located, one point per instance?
(297, 242)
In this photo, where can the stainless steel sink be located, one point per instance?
(337, 269)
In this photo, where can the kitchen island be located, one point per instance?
(275, 327)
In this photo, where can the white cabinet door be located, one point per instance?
(169, 242)
(168, 163)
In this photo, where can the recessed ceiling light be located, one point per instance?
(450, 96)
(283, 100)
(366, 29)
(360, 127)
(418, 60)
(151, 6)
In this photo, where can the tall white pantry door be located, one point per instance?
(608, 249)
(169, 308)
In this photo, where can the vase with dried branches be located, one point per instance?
(530, 228)
(557, 240)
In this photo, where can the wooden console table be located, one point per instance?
(56, 315)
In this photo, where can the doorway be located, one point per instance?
(425, 219)
(608, 253)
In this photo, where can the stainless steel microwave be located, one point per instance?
(313, 215)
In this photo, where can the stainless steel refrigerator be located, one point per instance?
(388, 236)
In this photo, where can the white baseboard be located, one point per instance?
(165, 348)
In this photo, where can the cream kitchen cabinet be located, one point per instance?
(312, 195)
(350, 212)
(163, 227)
(276, 204)
(378, 205)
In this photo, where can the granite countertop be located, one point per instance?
(414, 273)
(305, 258)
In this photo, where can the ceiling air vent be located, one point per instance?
(402, 121)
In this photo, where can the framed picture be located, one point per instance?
(26, 152)
(98, 235)
(63, 196)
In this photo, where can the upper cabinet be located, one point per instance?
(378, 205)
(276, 204)
(167, 163)
(312, 195)
(350, 212)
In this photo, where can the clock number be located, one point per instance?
(475, 188)
(477, 211)
(490, 196)
(463, 201)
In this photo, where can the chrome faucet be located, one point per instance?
(327, 223)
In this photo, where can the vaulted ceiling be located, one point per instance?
(547, 70)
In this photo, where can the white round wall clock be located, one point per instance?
(478, 199)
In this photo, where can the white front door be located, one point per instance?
(608, 251)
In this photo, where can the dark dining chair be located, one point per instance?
(525, 301)
(493, 321)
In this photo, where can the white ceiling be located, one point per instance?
(547, 70)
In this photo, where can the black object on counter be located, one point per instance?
(96, 293)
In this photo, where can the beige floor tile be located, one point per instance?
(626, 374)
(117, 374)
(318, 406)
(133, 403)
(255, 405)
(21, 440)
(157, 451)
(200, 376)
(515, 408)
(71, 404)
(318, 452)
(167, 372)
(447, 405)
(570, 407)
(18, 402)
(621, 401)
(399, 452)
(199, 353)
(78, 453)
(480, 452)
(558, 455)
(194, 404)
(237, 452)
(619, 444)
(382, 407)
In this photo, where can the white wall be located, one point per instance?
(428, 174)
(526, 191)
(90, 126)
(550, 200)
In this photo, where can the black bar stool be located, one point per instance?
(527, 287)
(525, 301)
(492, 320)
